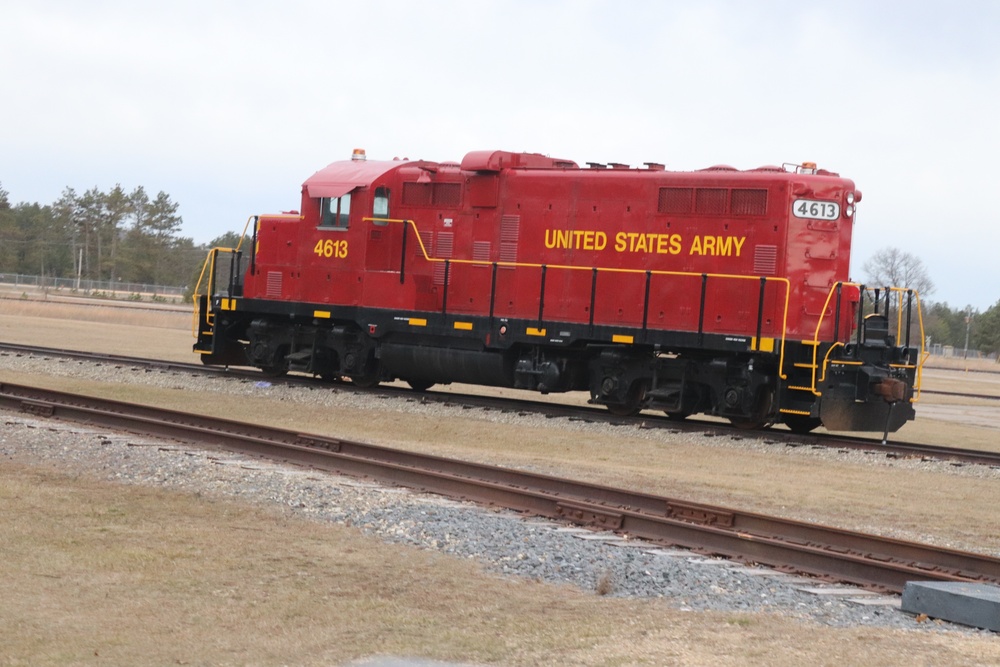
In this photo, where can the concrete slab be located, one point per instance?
(877, 601)
(967, 603)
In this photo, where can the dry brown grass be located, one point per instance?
(101, 574)
(145, 576)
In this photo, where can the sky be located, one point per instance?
(229, 106)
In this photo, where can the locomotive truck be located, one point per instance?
(719, 291)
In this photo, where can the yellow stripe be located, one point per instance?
(622, 339)
(228, 304)
(794, 388)
(532, 331)
(325, 314)
(418, 322)
(464, 326)
(848, 363)
(794, 412)
(765, 345)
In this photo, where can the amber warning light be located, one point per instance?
(359, 154)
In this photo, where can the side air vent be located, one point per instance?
(747, 201)
(273, 288)
(765, 260)
(481, 251)
(510, 232)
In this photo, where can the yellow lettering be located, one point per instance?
(739, 244)
(720, 246)
(724, 246)
(695, 246)
(570, 239)
(620, 243)
(675, 244)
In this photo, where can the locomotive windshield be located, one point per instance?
(334, 211)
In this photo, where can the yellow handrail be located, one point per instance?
(209, 266)
(480, 262)
(922, 355)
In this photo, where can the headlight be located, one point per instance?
(850, 197)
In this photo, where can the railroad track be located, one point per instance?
(823, 551)
(893, 449)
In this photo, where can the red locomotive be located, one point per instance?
(717, 291)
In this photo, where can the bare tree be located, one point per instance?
(896, 268)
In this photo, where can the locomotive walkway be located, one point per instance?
(823, 551)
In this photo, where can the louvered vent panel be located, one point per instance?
(510, 228)
(510, 232)
(439, 274)
(273, 284)
(508, 253)
(745, 201)
(765, 260)
(445, 244)
(481, 251)
(427, 238)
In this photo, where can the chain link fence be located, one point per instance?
(116, 289)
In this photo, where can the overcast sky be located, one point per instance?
(229, 106)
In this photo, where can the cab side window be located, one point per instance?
(380, 204)
(335, 211)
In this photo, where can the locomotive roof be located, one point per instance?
(339, 178)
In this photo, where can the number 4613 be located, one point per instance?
(331, 248)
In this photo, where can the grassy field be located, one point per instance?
(105, 574)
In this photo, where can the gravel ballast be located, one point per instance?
(504, 542)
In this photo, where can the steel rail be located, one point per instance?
(867, 560)
(830, 441)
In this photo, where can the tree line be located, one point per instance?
(113, 236)
(134, 238)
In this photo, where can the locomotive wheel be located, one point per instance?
(676, 415)
(801, 424)
(633, 402)
(275, 370)
(419, 385)
(366, 381)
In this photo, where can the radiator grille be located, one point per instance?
(675, 200)
(710, 201)
(747, 201)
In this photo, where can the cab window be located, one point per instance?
(380, 204)
(335, 211)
